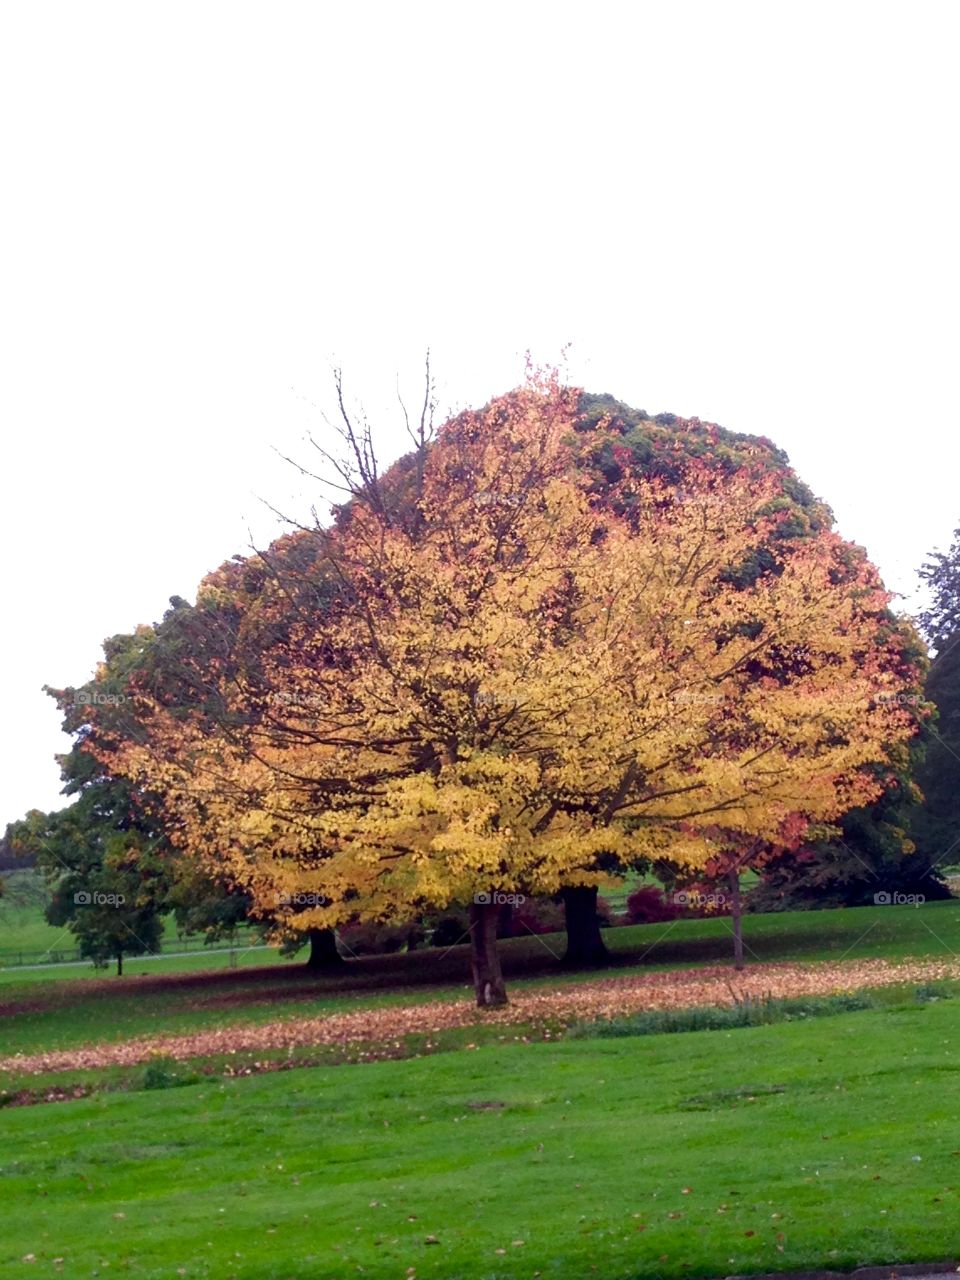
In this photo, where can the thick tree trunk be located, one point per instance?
(585, 944)
(323, 950)
(736, 916)
(119, 964)
(487, 976)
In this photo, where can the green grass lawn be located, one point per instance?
(200, 960)
(828, 1143)
(59, 1015)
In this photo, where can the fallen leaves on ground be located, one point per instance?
(600, 999)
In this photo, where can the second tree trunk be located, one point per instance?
(585, 944)
(323, 950)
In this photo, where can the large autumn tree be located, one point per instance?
(515, 683)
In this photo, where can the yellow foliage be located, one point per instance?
(526, 681)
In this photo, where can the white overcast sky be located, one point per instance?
(742, 211)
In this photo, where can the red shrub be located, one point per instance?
(648, 905)
(538, 916)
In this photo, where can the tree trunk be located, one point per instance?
(119, 964)
(323, 950)
(736, 916)
(487, 976)
(585, 944)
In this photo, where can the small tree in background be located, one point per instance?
(937, 825)
(106, 879)
(110, 904)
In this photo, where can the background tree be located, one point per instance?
(937, 825)
(109, 894)
(875, 849)
(203, 905)
(19, 840)
(940, 621)
(105, 874)
(180, 659)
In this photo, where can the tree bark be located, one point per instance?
(487, 975)
(323, 950)
(585, 944)
(736, 916)
(119, 964)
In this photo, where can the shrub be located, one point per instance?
(537, 915)
(648, 905)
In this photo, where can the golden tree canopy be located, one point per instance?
(525, 677)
